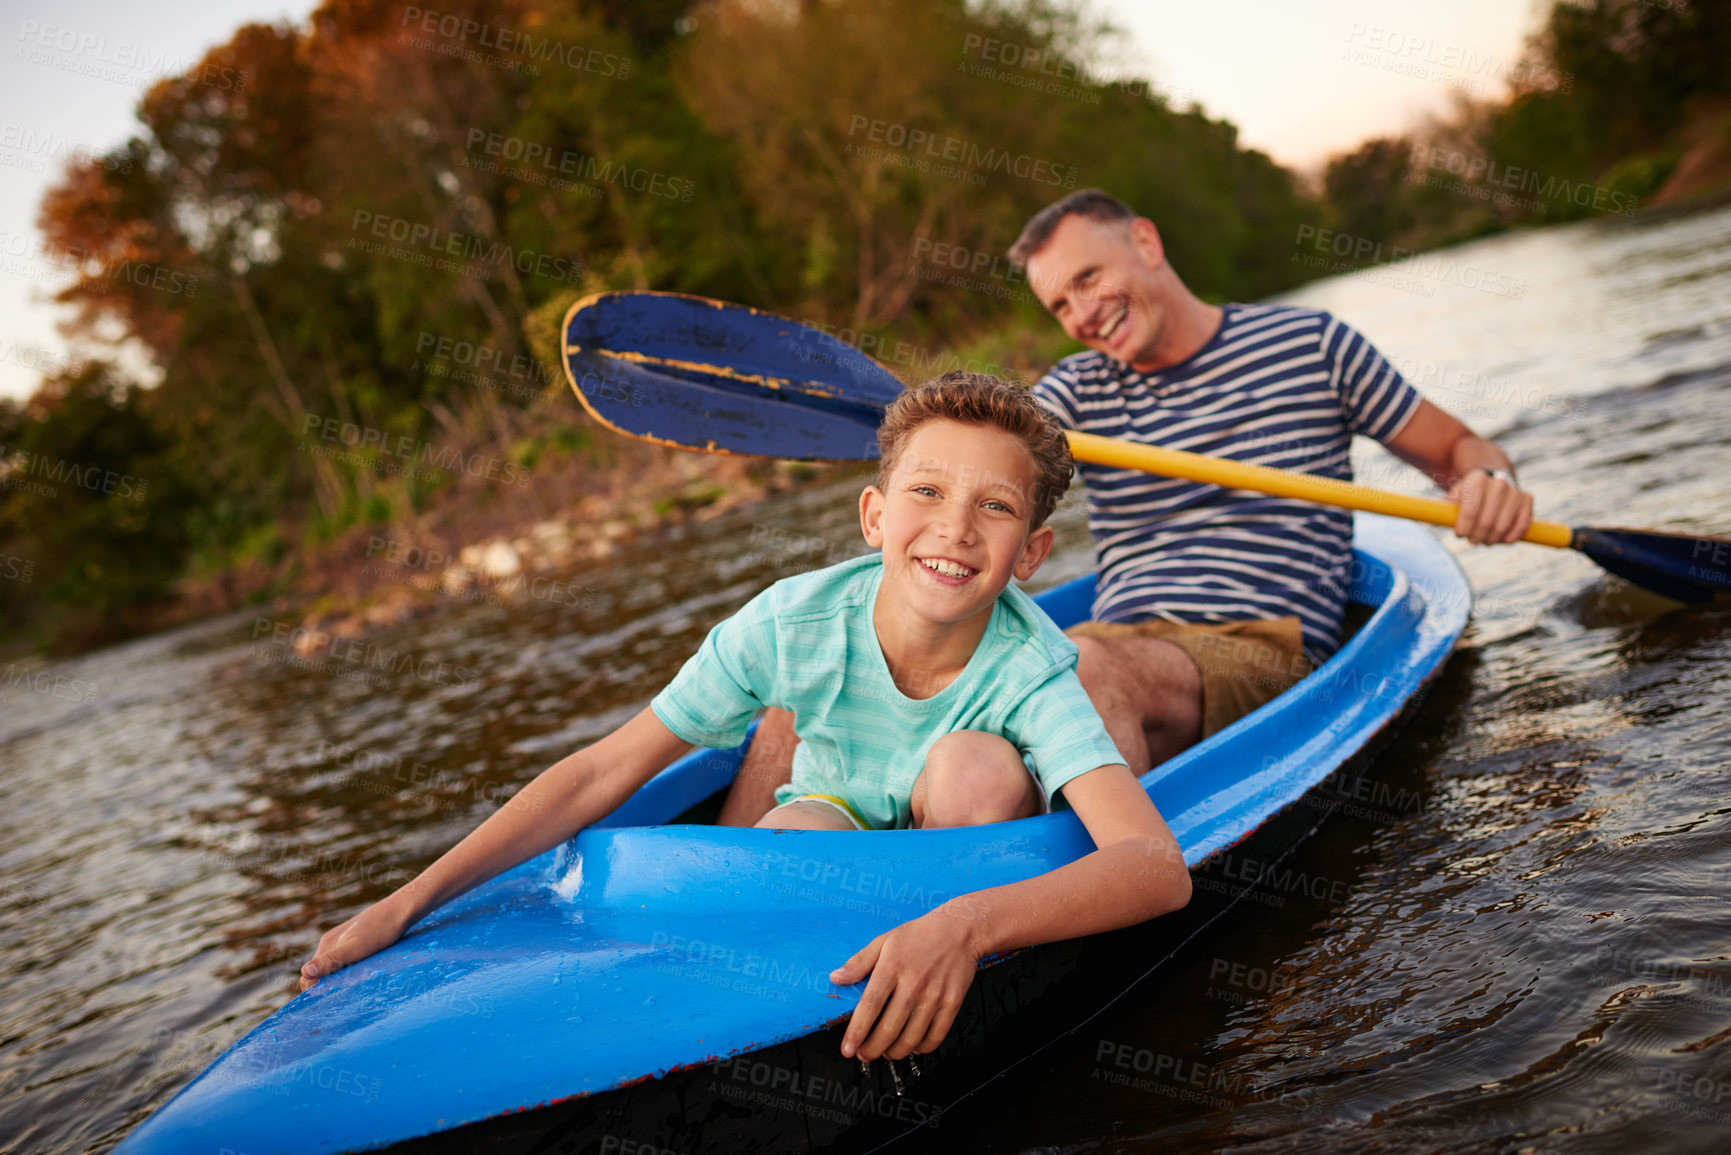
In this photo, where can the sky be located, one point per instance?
(1302, 80)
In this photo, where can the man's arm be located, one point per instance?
(1491, 509)
(563, 799)
(921, 970)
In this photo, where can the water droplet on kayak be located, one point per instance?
(574, 1018)
(650, 1001)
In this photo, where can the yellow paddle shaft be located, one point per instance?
(1099, 450)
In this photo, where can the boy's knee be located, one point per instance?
(972, 777)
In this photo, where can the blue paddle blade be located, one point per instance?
(1688, 568)
(703, 374)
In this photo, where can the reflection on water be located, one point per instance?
(1530, 950)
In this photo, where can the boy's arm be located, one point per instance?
(921, 970)
(563, 799)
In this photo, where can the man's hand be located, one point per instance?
(920, 972)
(1492, 509)
(367, 933)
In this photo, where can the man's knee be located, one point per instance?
(770, 754)
(1150, 677)
(768, 763)
(971, 778)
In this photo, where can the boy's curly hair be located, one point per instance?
(980, 399)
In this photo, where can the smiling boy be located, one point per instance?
(929, 692)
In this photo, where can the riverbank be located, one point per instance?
(494, 543)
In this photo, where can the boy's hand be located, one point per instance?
(920, 971)
(367, 933)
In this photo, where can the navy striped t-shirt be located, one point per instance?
(1274, 386)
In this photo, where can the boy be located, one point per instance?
(917, 679)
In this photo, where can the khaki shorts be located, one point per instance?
(1243, 664)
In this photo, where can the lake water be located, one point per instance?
(1532, 950)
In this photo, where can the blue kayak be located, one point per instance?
(608, 981)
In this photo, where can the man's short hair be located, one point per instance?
(1088, 202)
(980, 399)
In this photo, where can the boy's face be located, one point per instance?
(952, 520)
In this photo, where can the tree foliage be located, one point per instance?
(312, 226)
(1601, 107)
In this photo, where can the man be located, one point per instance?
(1189, 571)
(1210, 601)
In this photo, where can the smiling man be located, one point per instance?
(1211, 601)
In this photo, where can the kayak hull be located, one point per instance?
(667, 985)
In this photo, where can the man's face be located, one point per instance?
(1098, 278)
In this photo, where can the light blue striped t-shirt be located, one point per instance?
(807, 644)
(1275, 386)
